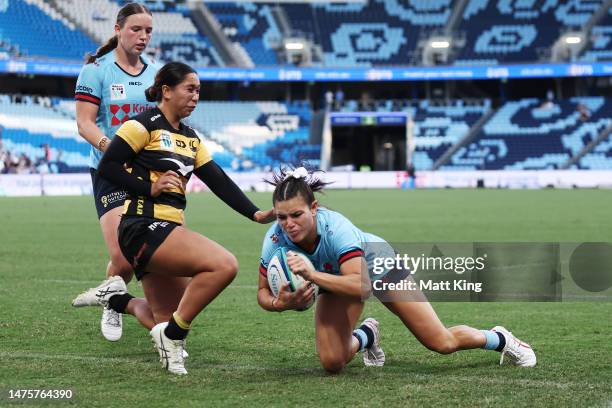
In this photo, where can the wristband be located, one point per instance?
(102, 143)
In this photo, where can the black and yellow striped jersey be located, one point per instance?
(159, 148)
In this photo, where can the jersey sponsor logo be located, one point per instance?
(184, 170)
(274, 238)
(135, 83)
(154, 225)
(193, 146)
(138, 108)
(165, 140)
(113, 198)
(154, 118)
(140, 206)
(117, 92)
(83, 88)
(121, 114)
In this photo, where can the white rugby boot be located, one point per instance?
(170, 351)
(111, 324)
(519, 353)
(373, 356)
(102, 293)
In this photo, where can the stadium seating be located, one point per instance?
(56, 128)
(601, 41)
(262, 133)
(29, 123)
(519, 31)
(175, 35)
(599, 158)
(381, 32)
(531, 134)
(250, 25)
(28, 25)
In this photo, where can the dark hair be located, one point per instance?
(171, 74)
(287, 187)
(125, 11)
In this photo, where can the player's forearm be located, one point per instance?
(90, 132)
(267, 301)
(111, 168)
(347, 285)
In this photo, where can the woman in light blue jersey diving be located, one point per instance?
(339, 252)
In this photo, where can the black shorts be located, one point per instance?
(106, 195)
(139, 238)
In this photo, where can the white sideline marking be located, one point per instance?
(426, 377)
(91, 281)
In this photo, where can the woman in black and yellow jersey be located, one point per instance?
(161, 154)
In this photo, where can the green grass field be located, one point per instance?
(51, 249)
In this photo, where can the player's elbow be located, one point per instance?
(261, 299)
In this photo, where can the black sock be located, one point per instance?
(118, 303)
(174, 332)
(502, 342)
(368, 333)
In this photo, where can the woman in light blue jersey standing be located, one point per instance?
(111, 89)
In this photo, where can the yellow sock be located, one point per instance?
(180, 322)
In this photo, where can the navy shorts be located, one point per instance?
(139, 238)
(107, 196)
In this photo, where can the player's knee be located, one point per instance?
(333, 364)
(443, 344)
(229, 267)
(119, 262)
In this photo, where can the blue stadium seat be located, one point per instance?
(381, 32)
(266, 134)
(532, 135)
(252, 25)
(30, 125)
(601, 41)
(28, 28)
(518, 31)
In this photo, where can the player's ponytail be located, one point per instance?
(125, 11)
(110, 45)
(151, 93)
(289, 182)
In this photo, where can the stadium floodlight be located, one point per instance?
(573, 39)
(440, 44)
(294, 46)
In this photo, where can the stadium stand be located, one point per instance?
(530, 134)
(251, 26)
(55, 126)
(381, 32)
(506, 31)
(601, 41)
(262, 134)
(175, 36)
(52, 127)
(27, 26)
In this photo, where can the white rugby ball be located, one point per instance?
(279, 274)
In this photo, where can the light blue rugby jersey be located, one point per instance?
(339, 241)
(119, 95)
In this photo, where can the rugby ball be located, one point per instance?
(280, 274)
